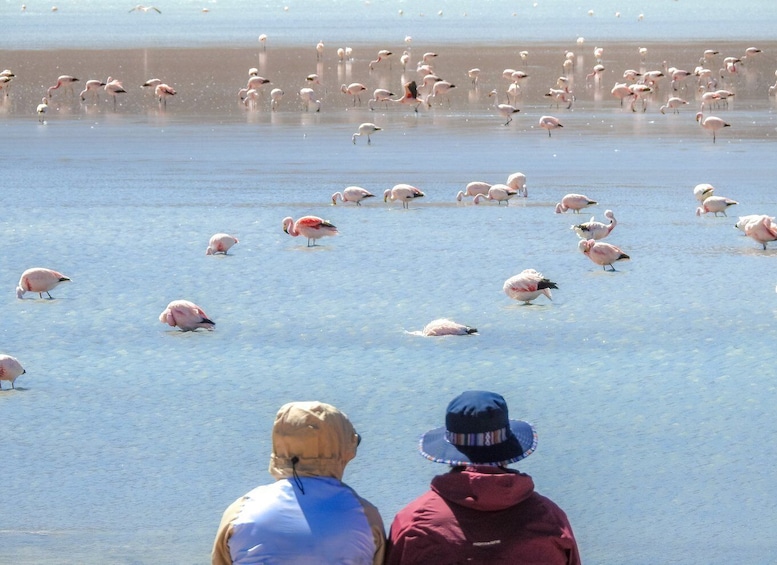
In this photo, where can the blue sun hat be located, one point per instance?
(478, 431)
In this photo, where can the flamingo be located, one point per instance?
(410, 96)
(42, 108)
(711, 123)
(162, 92)
(151, 83)
(528, 285)
(5, 83)
(505, 110)
(40, 280)
(743, 221)
(601, 253)
(319, 50)
(761, 230)
(621, 90)
(673, 104)
(382, 54)
(444, 326)
(473, 189)
(703, 191)
(380, 95)
(186, 315)
(498, 193)
(367, 128)
(114, 88)
(716, 205)
(596, 230)
(263, 41)
(474, 75)
(517, 181)
(354, 89)
(276, 95)
(10, 369)
(439, 88)
(428, 57)
(65, 81)
(550, 123)
(574, 202)
(353, 194)
(311, 227)
(404, 59)
(257, 82)
(91, 86)
(220, 243)
(308, 97)
(402, 192)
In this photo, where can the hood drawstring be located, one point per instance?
(294, 475)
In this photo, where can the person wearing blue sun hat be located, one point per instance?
(481, 512)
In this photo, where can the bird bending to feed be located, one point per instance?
(91, 87)
(473, 189)
(220, 243)
(402, 192)
(517, 181)
(505, 110)
(703, 191)
(596, 230)
(10, 369)
(743, 221)
(711, 123)
(352, 194)
(186, 315)
(761, 230)
(311, 227)
(354, 90)
(65, 81)
(550, 123)
(574, 202)
(380, 95)
(498, 193)
(367, 129)
(601, 253)
(40, 280)
(528, 285)
(444, 326)
(715, 204)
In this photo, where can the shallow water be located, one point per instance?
(651, 387)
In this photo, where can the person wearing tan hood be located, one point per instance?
(308, 515)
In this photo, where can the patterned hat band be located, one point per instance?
(479, 440)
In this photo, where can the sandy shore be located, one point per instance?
(207, 80)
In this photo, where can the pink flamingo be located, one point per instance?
(311, 227)
(703, 191)
(574, 202)
(601, 253)
(65, 81)
(473, 189)
(711, 123)
(505, 110)
(91, 87)
(367, 129)
(410, 96)
(673, 104)
(382, 54)
(308, 97)
(402, 192)
(354, 89)
(352, 194)
(517, 181)
(497, 193)
(716, 205)
(528, 285)
(380, 95)
(186, 315)
(162, 92)
(762, 230)
(596, 230)
(114, 88)
(220, 243)
(10, 369)
(444, 326)
(39, 280)
(744, 221)
(550, 123)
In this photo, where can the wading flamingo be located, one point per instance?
(703, 191)
(444, 326)
(65, 81)
(354, 90)
(42, 108)
(92, 88)
(550, 123)
(596, 230)
(353, 194)
(163, 92)
(761, 230)
(505, 110)
(574, 202)
(497, 193)
(517, 181)
(402, 192)
(10, 369)
(114, 88)
(186, 315)
(601, 253)
(380, 95)
(40, 280)
(473, 189)
(220, 243)
(716, 205)
(311, 227)
(410, 96)
(367, 128)
(528, 285)
(308, 97)
(711, 123)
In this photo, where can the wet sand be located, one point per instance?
(207, 80)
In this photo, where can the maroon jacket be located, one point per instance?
(487, 515)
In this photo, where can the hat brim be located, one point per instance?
(520, 445)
